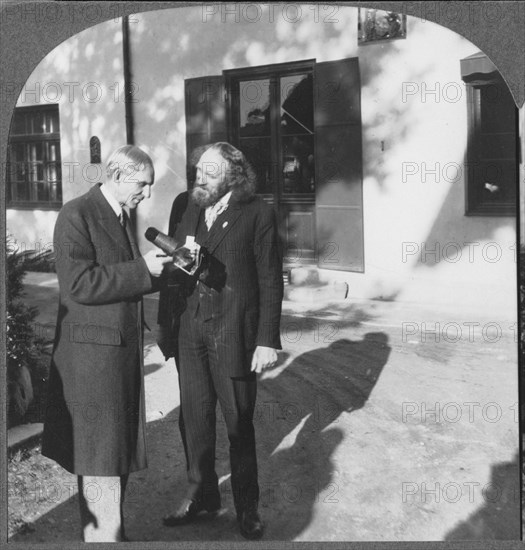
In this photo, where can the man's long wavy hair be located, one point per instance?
(241, 177)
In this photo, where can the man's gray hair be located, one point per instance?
(128, 159)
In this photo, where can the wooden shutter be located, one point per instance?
(205, 113)
(339, 172)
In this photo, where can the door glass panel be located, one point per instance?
(254, 107)
(258, 152)
(297, 113)
(298, 164)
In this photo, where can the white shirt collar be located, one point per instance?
(223, 201)
(113, 202)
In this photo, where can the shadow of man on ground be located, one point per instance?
(299, 422)
(302, 414)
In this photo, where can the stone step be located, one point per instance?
(23, 434)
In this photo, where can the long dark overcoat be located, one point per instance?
(95, 418)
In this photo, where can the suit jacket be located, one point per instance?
(94, 422)
(239, 287)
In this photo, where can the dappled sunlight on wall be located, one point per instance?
(414, 120)
(84, 76)
(170, 46)
(414, 141)
(413, 112)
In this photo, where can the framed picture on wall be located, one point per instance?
(379, 25)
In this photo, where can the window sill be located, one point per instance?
(509, 212)
(33, 206)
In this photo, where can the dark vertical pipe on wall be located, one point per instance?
(128, 97)
(130, 138)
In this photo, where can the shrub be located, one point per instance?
(521, 272)
(23, 345)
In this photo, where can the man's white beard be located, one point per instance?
(208, 197)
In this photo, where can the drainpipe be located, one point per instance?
(130, 139)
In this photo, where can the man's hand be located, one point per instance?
(154, 263)
(263, 358)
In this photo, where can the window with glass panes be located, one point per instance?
(34, 176)
(272, 122)
(299, 124)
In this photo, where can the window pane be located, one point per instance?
(53, 192)
(20, 171)
(34, 123)
(50, 151)
(297, 115)
(17, 152)
(257, 151)
(39, 171)
(42, 191)
(498, 111)
(51, 172)
(23, 192)
(298, 164)
(19, 123)
(36, 151)
(35, 172)
(498, 146)
(50, 123)
(254, 107)
(497, 181)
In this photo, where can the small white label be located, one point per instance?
(190, 241)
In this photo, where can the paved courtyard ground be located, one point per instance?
(383, 421)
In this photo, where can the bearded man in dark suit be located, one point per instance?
(95, 419)
(228, 330)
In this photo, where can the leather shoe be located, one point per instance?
(187, 512)
(250, 524)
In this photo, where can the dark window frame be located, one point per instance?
(272, 71)
(474, 173)
(26, 139)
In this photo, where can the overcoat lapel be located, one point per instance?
(107, 219)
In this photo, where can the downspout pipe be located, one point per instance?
(128, 92)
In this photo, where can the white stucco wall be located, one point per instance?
(84, 76)
(414, 134)
(414, 122)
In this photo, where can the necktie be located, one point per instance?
(212, 213)
(125, 223)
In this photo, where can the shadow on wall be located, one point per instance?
(456, 238)
(390, 122)
(84, 76)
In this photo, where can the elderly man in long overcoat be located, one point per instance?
(95, 419)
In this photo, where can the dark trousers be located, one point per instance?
(202, 383)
